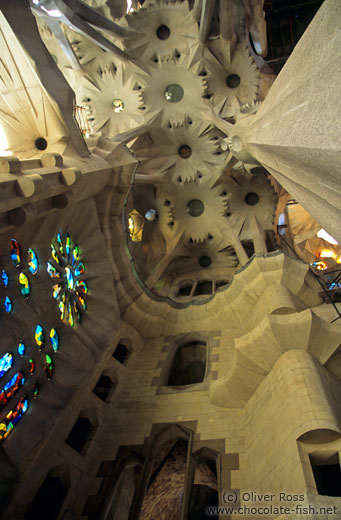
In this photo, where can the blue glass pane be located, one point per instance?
(6, 363)
(80, 269)
(8, 304)
(21, 348)
(4, 277)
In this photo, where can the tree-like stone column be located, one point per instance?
(296, 134)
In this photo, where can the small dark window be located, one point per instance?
(79, 434)
(48, 501)
(185, 290)
(189, 365)
(327, 477)
(249, 247)
(103, 387)
(121, 353)
(204, 287)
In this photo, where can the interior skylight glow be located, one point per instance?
(54, 12)
(323, 234)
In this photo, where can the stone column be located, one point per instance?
(296, 134)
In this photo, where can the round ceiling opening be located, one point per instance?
(233, 81)
(40, 143)
(251, 198)
(205, 261)
(174, 93)
(163, 32)
(117, 105)
(185, 151)
(195, 208)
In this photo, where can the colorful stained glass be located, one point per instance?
(321, 266)
(69, 279)
(76, 312)
(68, 290)
(4, 277)
(15, 252)
(80, 269)
(68, 245)
(8, 304)
(21, 348)
(11, 419)
(35, 390)
(82, 286)
(56, 291)
(32, 260)
(6, 363)
(70, 316)
(25, 287)
(54, 338)
(48, 366)
(52, 271)
(31, 366)
(39, 336)
(82, 302)
(11, 388)
(75, 255)
(61, 306)
(60, 244)
(54, 254)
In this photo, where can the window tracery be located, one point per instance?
(68, 270)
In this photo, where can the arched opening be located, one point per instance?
(80, 434)
(103, 387)
(164, 495)
(121, 353)
(327, 473)
(51, 495)
(189, 365)
(204, 492)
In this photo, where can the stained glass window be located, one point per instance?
(10, 388)
(11, 419)
(32, 366)
(15, 252)
(4, 277)
(8, 304)
(56, 291)
(35, 390)
(21, 348)
(82, 286)
(18, 380)
(32, 261)
(39, 336)
(321, 266)
(6, 363)
(52, 271)
(80, 269)
(54, 338)
(48, 366)
(25, 287)
(69, 270)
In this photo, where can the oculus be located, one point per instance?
(174, 93)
